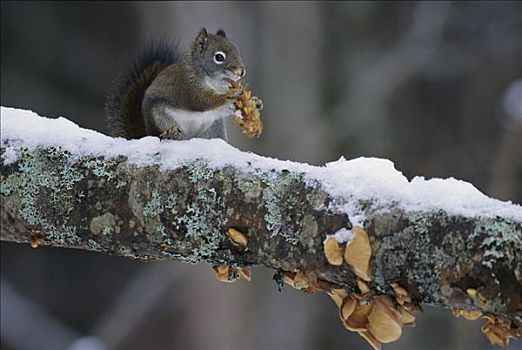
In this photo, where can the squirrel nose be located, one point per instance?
(241, 72)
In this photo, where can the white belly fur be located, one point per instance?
(197, 122)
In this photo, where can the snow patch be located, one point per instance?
(343, 235)
(350, 181)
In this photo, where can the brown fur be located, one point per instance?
(123, 107)
(164, 81)
(131, 103)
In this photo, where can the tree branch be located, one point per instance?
(64, 193)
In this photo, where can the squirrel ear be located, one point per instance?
(221, 32)
(201, 39)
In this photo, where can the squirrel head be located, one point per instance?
(217, 57)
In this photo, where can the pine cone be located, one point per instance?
(248, 115)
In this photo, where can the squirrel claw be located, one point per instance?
(172, 133)
(258, 102)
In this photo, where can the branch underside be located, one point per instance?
(54, 198)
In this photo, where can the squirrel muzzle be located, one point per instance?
(236, 73)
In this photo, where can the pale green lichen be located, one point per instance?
(500, 240)
(250, 186)
(203, 217)
(491, 241)
(65, 236)
(200, 220)
(427, 275)
(91, 244)
(228, 183)
(154, 207)
(99, 168)
(454, 244)
(34, 182)
(153, 226)
(69, 178)
(276, 195)
(105, 224)
(409, 244)
(39, 186)
(430, 263)
(170, 203)
(199, 171)
(389, 256)
(159, 235)
(8, 185)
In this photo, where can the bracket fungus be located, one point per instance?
(237, 237)
(379, 321)
(225, 273)
(378, 318)
(401, 295)
(358, 253)
(347, 307)
(301, 281)
(383, 321)
(477, 296)
(230, 274)
(363, 287)
(305, 280)
(374, 343)
(338, 295)
(246, 273)
(498, 330)
(358, 319)
(471, 315)
(36, 237)
(333, 251)
(36, 242)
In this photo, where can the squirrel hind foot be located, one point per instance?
(172, 133)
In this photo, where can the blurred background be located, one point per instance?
(434, 86)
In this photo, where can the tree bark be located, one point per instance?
(52, 197)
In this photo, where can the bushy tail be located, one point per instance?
(123, 105)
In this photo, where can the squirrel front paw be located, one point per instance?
(234, 93)
(172, 133)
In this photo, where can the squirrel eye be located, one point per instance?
(219, 57)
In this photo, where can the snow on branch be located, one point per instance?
(441, 241)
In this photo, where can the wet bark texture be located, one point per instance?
(50, 197)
